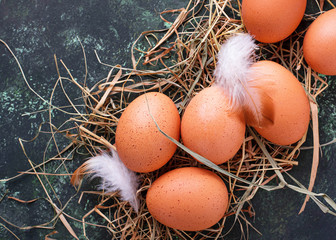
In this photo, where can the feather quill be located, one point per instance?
(233, 74)
(114, 175)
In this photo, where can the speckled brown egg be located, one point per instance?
(211, 128)
(291, 104)
(270, 21)
(189, 199)
(319, 45)
(140, 145)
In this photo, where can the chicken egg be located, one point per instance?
(211, 128)
(271, 21)
(140, 145)
(319, 45)
(291, 104)
(189, 199)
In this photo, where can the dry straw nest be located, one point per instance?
(180, 62)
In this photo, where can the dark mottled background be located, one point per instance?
(35, 31)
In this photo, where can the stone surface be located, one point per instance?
(35, 31)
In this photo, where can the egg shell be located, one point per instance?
(211, 128)
(189, 199)
(291, 104)
(140, 145)
(319, 45)
(271, 21)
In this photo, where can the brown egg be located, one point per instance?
(319, 45)
(211, 128)
(270, 21)
(189, 199)
(291, 104)
(140, 145)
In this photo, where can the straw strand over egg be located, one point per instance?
(233, 74)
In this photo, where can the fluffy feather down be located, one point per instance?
(233, 74)
(234, 61)
(114, 175)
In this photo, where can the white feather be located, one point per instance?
(242, 82)
(115, 176)
(235, 58)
